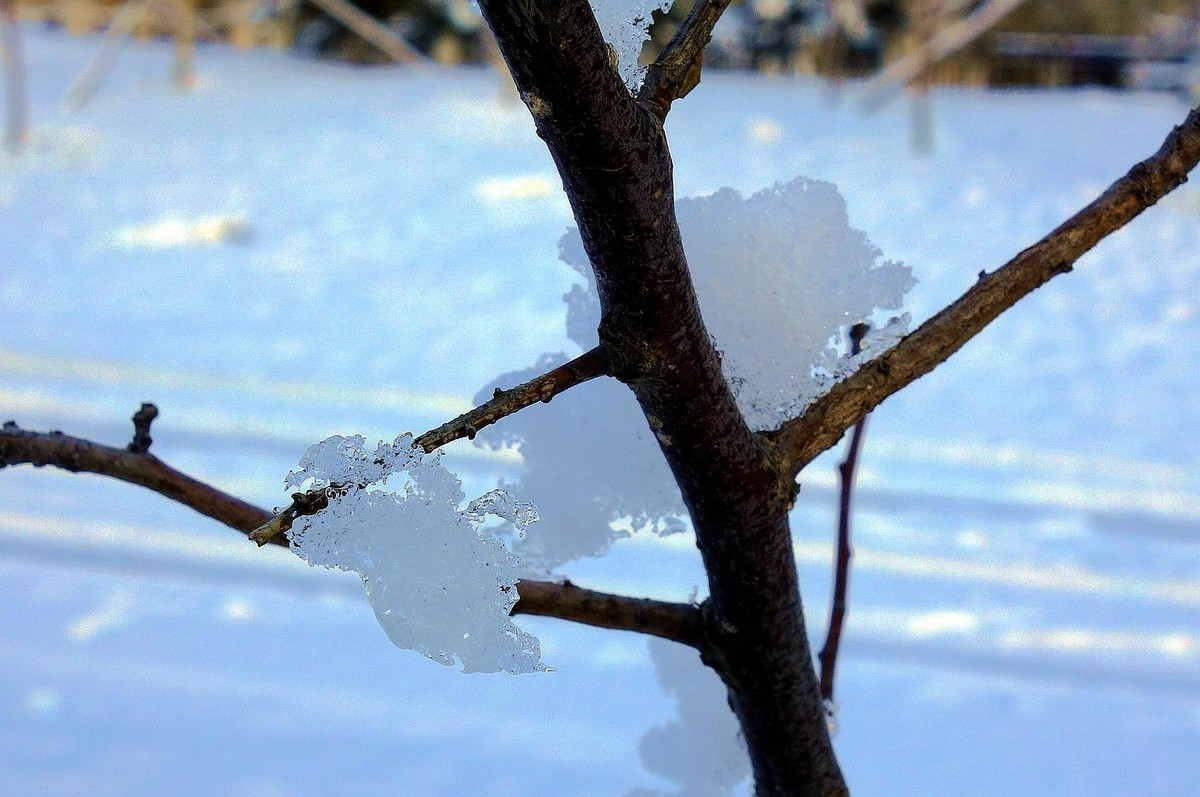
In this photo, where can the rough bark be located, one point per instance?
(616, 168)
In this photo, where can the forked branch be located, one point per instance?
(503, 403)
(677, 70)
(827, 419)
(679, 622)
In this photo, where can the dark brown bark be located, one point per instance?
(680, 622)
(612, 155)
(825, 421)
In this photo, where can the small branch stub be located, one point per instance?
(141, 429)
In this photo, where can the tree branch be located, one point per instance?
(841, 578)
(503, 403)
(826, 420)
(680, 622)
(677, 70)
(74, 454)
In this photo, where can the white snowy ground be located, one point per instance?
(1026, 600)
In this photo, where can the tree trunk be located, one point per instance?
(616, 168)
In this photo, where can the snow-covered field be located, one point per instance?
(299, 249)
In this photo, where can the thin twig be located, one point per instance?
(827, 419)
(676, 621)
(19, 446)
(586, 366)
(841, 581)
(677, 70)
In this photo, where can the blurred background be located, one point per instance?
(281, 221)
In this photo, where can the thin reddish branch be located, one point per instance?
(676, 71)
(503, 403)
(676, 621)
(827, 419)
(841, 579)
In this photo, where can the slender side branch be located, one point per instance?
(841, 578)
(676, 621)
(583, 368)
(677, 70)
(827, 419)
(680, 622)
(586, 366)
(74, 454)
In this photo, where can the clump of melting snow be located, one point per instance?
(702, 751)
(440, 582)
(593, 465)
(625, 25)
(781, 277)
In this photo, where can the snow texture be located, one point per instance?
(592, 463)
(780, 277)
(439, 582)
(702, 750)
(625, 25)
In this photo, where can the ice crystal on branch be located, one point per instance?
(439, 581)
(625, 25)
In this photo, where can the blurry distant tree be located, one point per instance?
(16, 99)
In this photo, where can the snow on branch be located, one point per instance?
(591, 459)
(824, 422)
(542, 388)
(440, 581)
(675, 621)
(677, 70)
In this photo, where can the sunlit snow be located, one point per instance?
(439, 582)
(780, 276)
